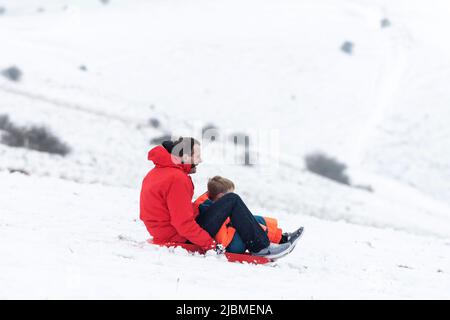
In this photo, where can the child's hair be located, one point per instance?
(218, 185)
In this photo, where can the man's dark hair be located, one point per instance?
(184, 145)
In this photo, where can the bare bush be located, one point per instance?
(33, 138)
(327, 167)
(385, 23)
(155, 123)
(347, 47)
(18, 170)
(12, 73)
(4, 122)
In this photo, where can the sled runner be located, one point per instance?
(232, 257)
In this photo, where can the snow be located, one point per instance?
(70, 228)
(71, 243)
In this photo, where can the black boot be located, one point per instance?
(284, 238)
(291, 237)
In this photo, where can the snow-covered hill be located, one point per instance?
(70, 242)
(95, 74)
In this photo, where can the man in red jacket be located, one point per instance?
(167, 210)
(167, 191)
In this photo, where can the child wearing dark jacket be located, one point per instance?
(227, 235)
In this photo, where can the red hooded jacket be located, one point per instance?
(165, 202)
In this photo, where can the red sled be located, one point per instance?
(232, 257)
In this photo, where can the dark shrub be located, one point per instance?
(2, 10)
(83, 68)
(33, 138)
(327, 167)
(161, 139)
(367, 188)
(155, 123)
(4, 122)
(347, 47)
(41, 139)
(22, 171)
(12, 73)
(14, 137)
(385, 23)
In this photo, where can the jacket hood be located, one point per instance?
(163, 159)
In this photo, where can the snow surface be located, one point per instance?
(70, 228)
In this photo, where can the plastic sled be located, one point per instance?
(231, 257)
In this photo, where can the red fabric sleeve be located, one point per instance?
(182, 214)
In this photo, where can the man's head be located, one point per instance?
(219, 186)
(187, 149)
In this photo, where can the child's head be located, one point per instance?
(218, 186)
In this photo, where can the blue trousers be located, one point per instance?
(237, 245)
(231, 206)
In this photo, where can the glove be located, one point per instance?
(219, 249)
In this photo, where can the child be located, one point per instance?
(227, 235)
